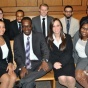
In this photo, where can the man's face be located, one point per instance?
(26, 27)
(43, 11)
(19, 16)
(68, 13)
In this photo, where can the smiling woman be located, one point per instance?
(80, 48)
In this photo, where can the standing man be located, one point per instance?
(7, 23)
(15, 25)
(31, 54)
(70, 24)
(41, 23)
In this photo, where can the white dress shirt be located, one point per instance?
(5, 51)
(32, 55)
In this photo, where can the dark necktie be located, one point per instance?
(68, 26)
(27, 51)
(19, 27)
(43, 26)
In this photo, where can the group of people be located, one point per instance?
(41, 44)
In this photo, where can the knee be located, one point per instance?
(70, 79)
(62, 79)
(78, 75)
(5, 78)
(13, 77)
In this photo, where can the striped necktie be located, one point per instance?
(27, 51)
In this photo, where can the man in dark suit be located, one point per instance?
(31, 59)
(15, 25)
(7, 23)
(37, 21)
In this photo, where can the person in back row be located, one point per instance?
(70, 24)
(7, 23)
(15, 25)
(41, 23)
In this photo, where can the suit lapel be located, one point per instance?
(22, 45)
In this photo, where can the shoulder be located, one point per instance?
(62, 18)
(37, 17)
(7, 20)
(74, 19)
(50, 17)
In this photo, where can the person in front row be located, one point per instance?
(7, 74)
(31, 55)
(60, 45)
(80, 48)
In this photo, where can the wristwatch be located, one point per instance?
(46, 60)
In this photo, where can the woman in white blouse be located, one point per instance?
(7, 74)
(80, 48)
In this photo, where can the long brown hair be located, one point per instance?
(50, 36)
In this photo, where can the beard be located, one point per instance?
(68, 17)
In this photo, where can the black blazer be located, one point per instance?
(40, 48)
(7, 26)
(10, 57)
(65, 56)
(13, 29)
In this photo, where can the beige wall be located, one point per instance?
(30, 7)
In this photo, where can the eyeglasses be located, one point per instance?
(68, 11)
(84, 28)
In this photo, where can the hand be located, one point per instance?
(44, 66)
(10, 68)
(23, 72)
(57, 65)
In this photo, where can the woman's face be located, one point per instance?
(2, 28)
(84, 31)
(57, 27)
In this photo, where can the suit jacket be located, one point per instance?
(36, 21)
(13, 29)
(40, 48)
(74, 26)
(7, 26)
(9, 57)
(75, 54)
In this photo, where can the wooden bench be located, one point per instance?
(48, 77)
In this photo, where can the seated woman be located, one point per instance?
(7, 75)
(60, 45)
(80, 48)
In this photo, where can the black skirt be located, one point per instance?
(68, 70)
(3, 67)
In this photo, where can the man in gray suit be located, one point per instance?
(31, 55)
(70, 24)
(37, 21)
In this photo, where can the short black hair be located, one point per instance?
(26, 18)
(68, 6)
(19, 11)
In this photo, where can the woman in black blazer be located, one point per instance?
(60, 45)
(7, 75)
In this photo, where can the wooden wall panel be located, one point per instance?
(30, 7)
(6, 3)
(72, 2)
(53, 2)
(27, 2)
